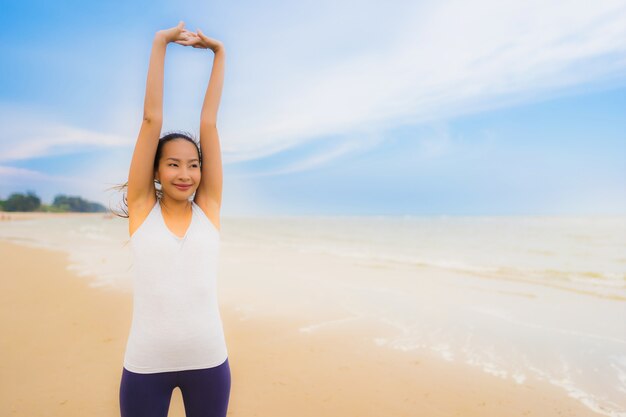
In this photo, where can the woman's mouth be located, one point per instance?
(182, 187)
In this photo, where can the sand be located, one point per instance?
(63, 345)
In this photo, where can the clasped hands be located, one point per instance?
(178, 34)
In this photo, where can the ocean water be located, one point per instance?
(521, 298)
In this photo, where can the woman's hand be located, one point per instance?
(176, 34)
(200, 40)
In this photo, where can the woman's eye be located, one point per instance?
(169, 165)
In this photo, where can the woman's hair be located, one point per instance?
(157, 157)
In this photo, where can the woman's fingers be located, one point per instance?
(190, 41)
(186, 38)
(175, 33)
(196, 39)
(202, 35)
(208, 42)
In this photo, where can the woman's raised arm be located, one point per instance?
(209, 192)
(141, 174)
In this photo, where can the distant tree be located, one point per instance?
(62, 203)
(22, 202)
(76, 203)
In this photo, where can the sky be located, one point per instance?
(342, 107)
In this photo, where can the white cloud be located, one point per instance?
(34, 135)
(358, 143)
(447, 59)
(9, 174)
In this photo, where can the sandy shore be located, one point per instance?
(63, 344)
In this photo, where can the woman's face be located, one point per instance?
(179, 166)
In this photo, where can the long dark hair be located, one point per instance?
(157, 157)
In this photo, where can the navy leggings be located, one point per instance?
(205, 392)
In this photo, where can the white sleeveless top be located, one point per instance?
(176, 322)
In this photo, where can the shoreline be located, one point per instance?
(7, 216)
(64, 342)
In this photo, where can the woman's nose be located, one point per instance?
(184, 174)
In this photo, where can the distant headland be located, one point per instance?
(30, 202)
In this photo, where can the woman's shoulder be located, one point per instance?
(208, 214)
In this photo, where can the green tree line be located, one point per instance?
(62, 203)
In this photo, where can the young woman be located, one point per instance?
(176, 337)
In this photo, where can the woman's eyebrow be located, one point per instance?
(178, 160)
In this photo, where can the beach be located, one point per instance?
(64, 334)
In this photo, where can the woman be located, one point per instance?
(176, 337)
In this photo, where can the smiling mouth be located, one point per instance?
(182, 187)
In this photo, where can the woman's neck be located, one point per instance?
(175, 207)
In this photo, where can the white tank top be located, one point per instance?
(176, 322)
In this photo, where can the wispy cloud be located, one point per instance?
(453, 58)
(357, 143)
(30, 177)
(34, 135)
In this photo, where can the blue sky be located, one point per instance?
(332, 107)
